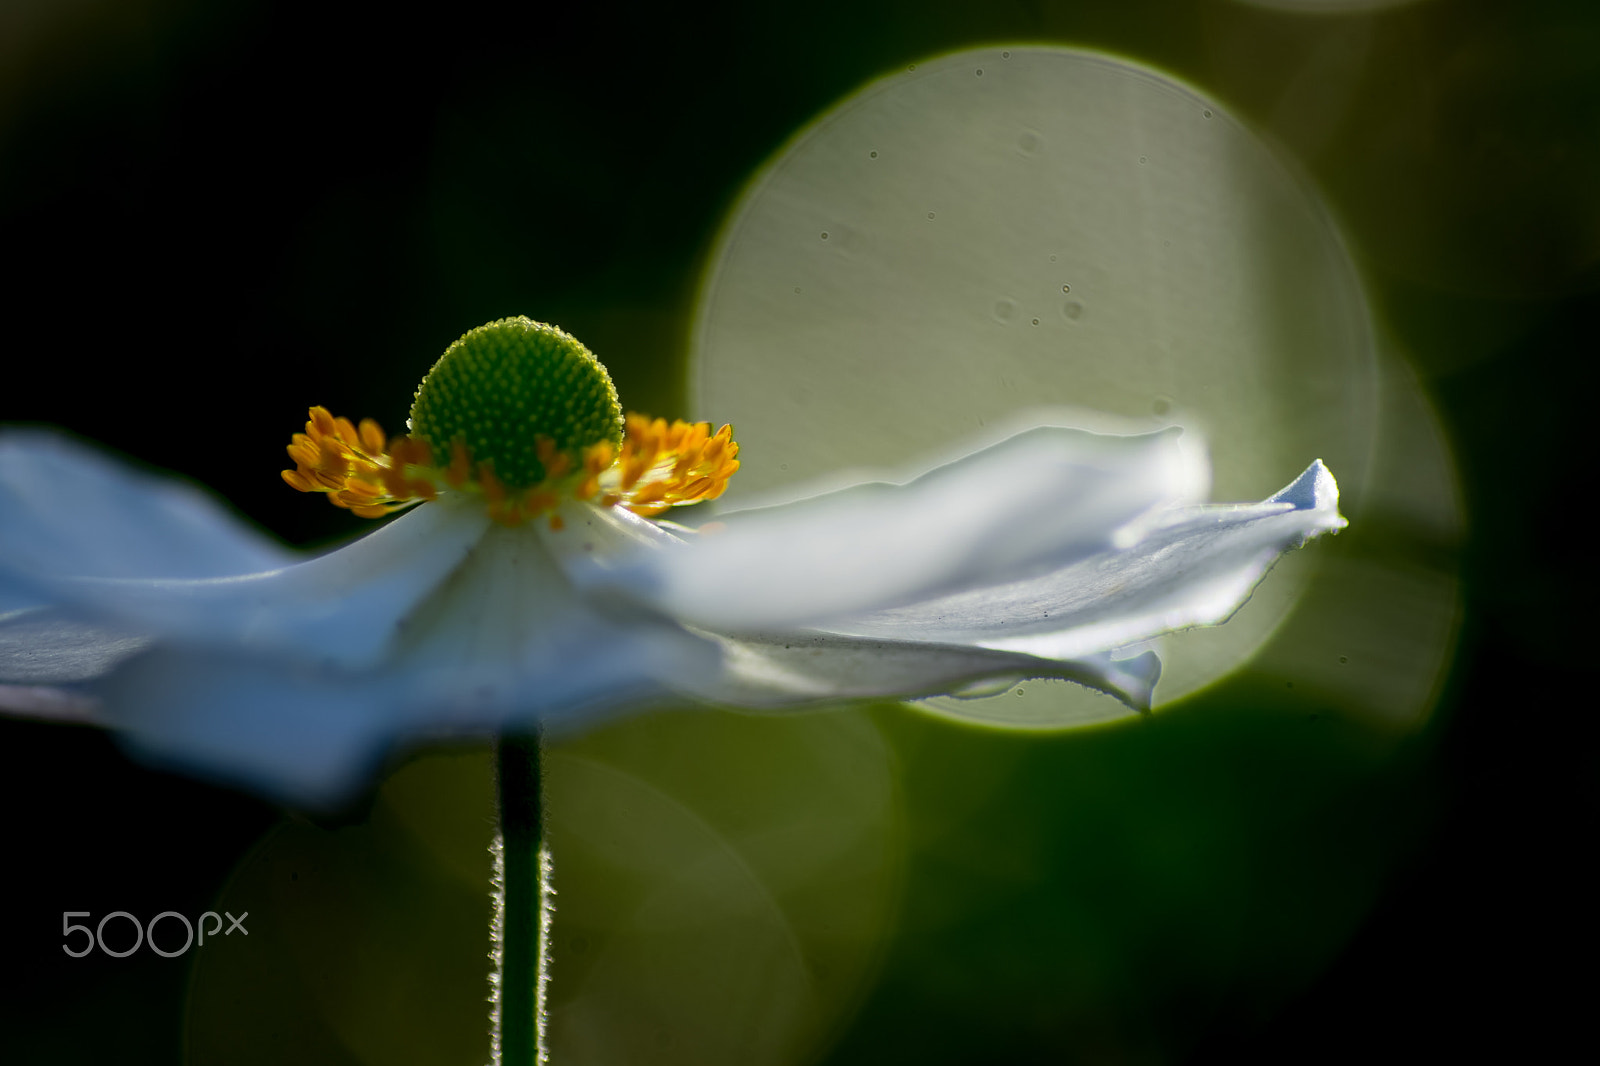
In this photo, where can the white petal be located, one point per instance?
(68, 510)
(509, 638)
(1042, 498)
(503, 642)
(41, 645)
(808, 666)
(787, 669)
(605, 538)
(50, 703)
(294, 731)
(17, 595)
(342, 607)
(1193, 567)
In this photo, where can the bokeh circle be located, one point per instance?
(1008, 229)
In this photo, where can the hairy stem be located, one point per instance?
(521, 931)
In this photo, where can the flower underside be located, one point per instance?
(522, 415)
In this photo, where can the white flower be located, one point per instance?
(210, 648)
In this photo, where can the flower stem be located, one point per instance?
(522, 919)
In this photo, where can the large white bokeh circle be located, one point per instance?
(1005, 229)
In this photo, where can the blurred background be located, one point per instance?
(1364, 841)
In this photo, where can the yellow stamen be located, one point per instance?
(662, 466)
(297, 480)
(358, 469)
(658, 466)
(372, 438)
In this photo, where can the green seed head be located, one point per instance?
(502, 386)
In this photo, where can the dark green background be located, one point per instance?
(214, 215)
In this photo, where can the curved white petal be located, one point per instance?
(46, 646)
(290, 729)
(69, 510)
(594, 540)
(17, 594)
(342, 607)
(95, 554)
(1194, 566)
(787, 669)
(502, 642)
(783, 670)
(1041, 499)
(50, 703)
(1033, 558)
(508, 637)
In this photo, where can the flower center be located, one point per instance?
(522, 415)
(502, 387)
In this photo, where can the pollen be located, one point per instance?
(524, 417)
(663, 465)
(358, 467)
